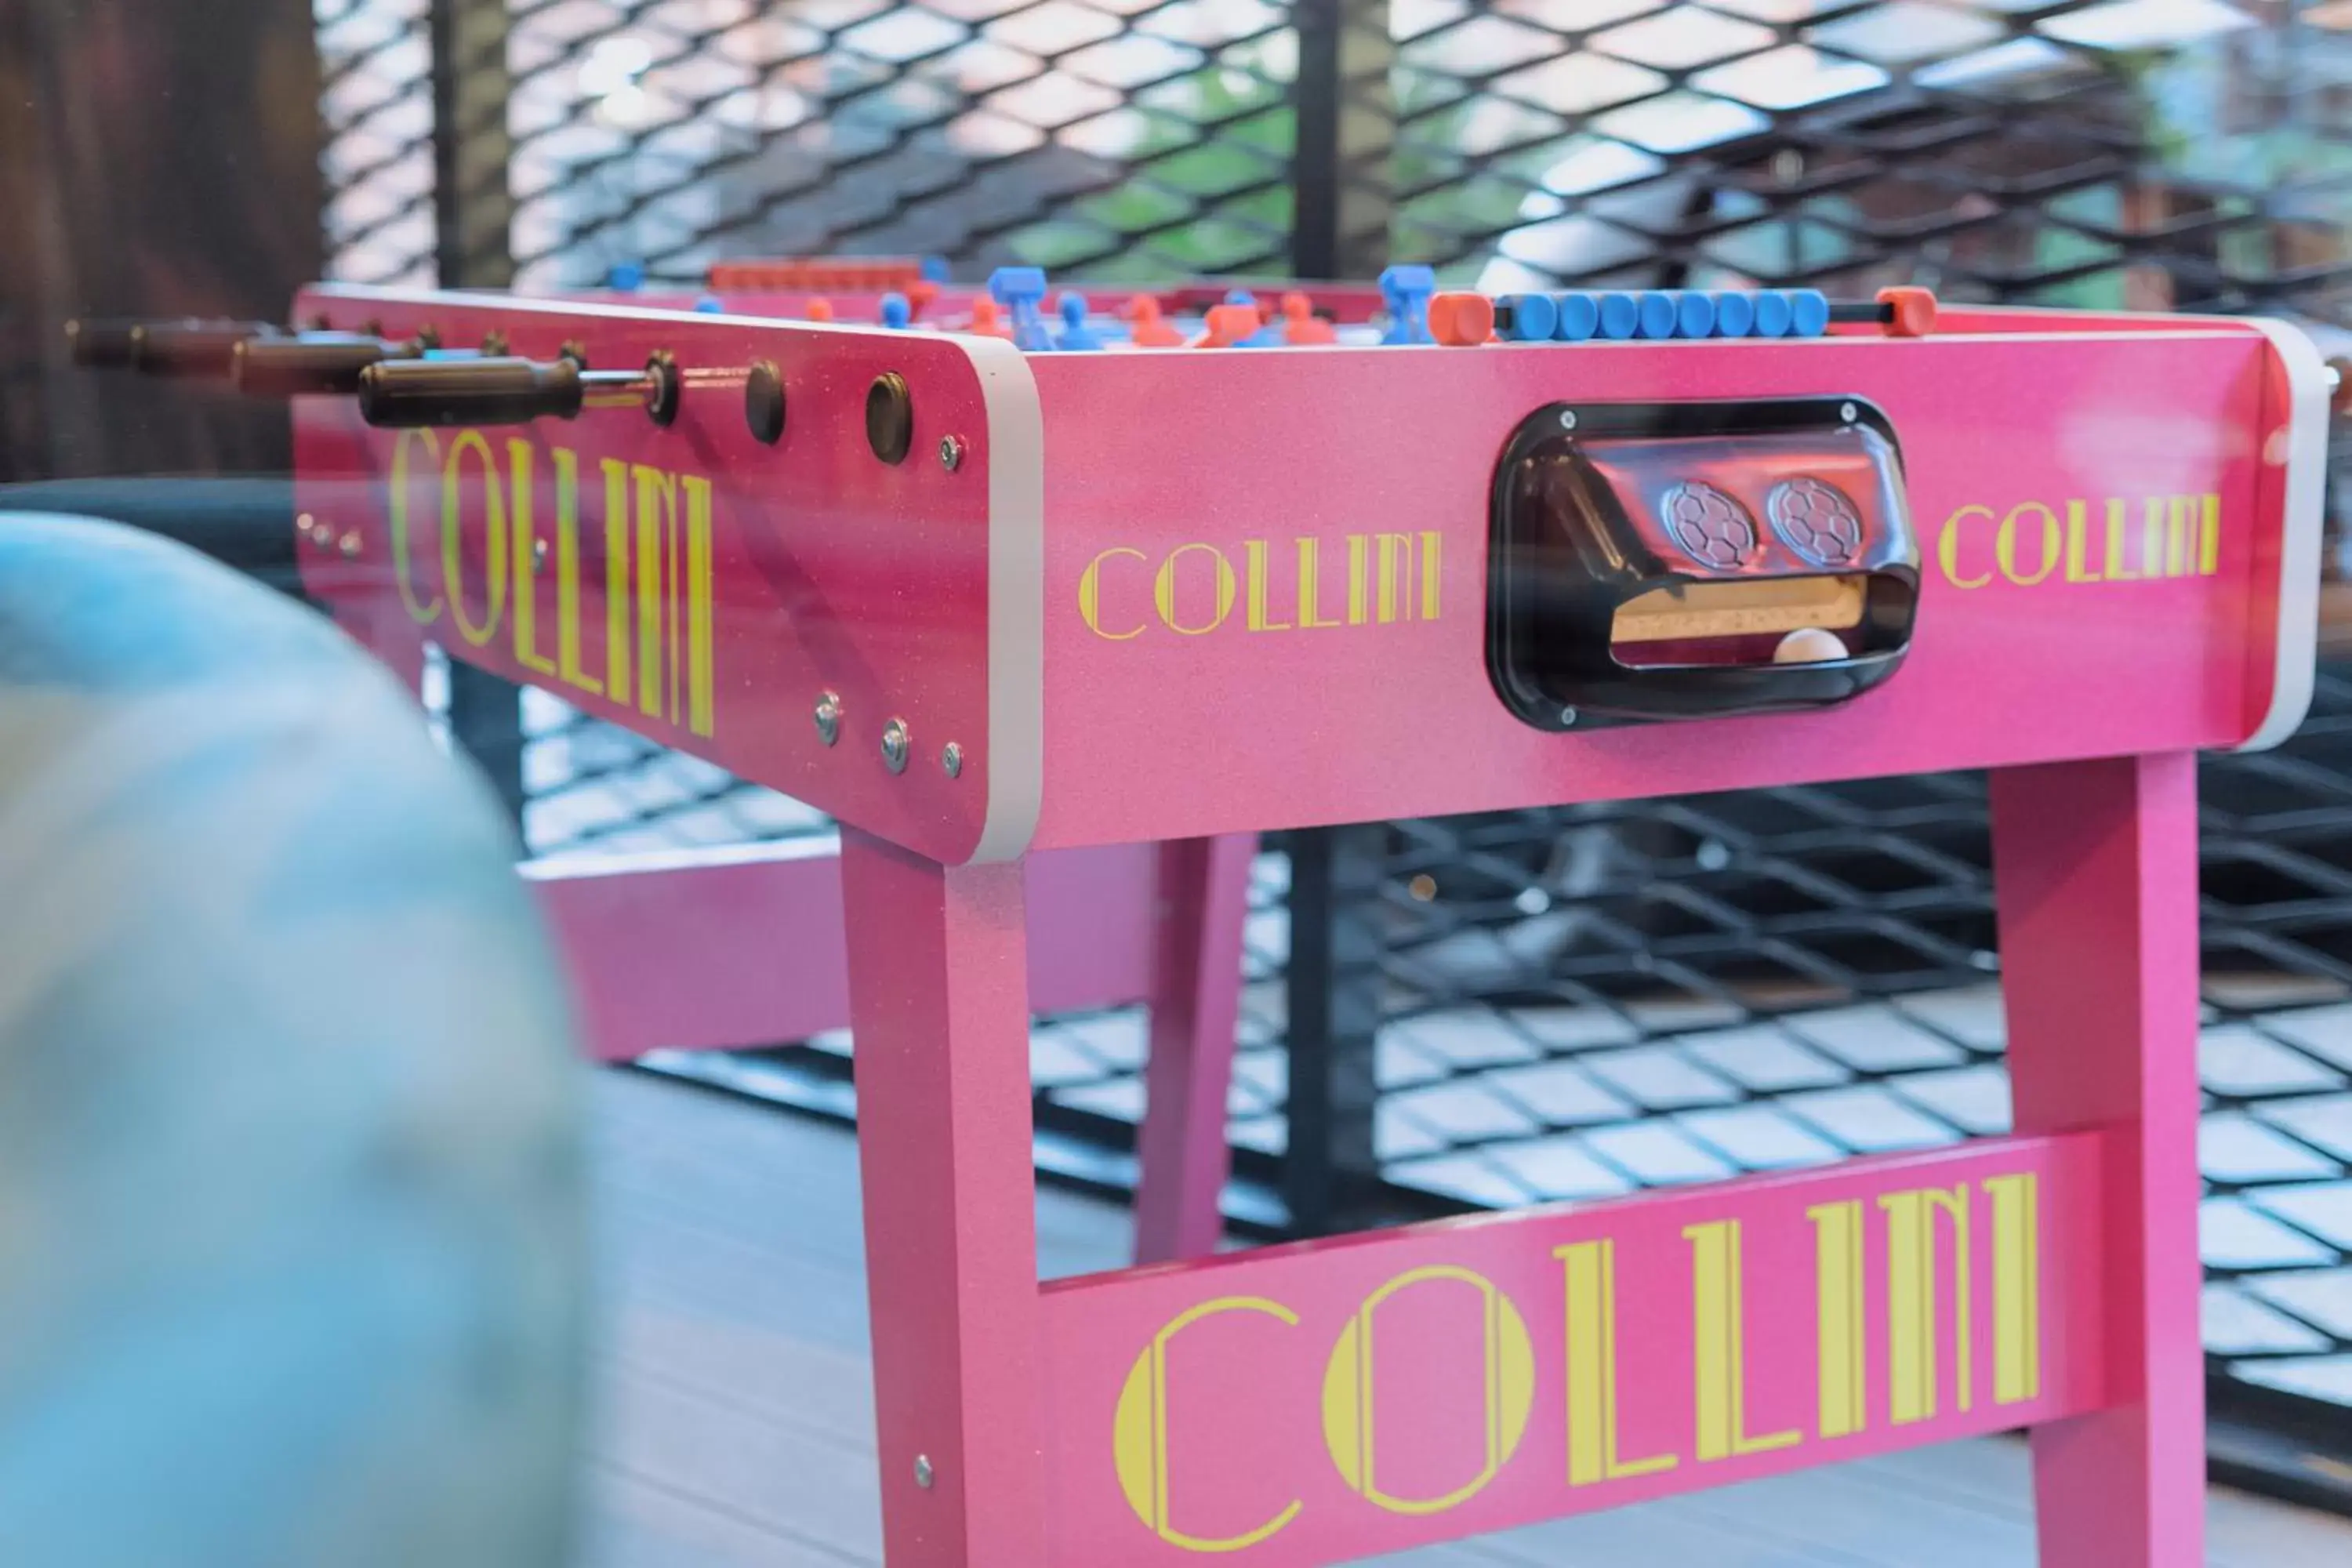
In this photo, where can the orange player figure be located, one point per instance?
(1301, 325)
(1227, 325)
(820, 309)
(1151, 330)
(988, 318)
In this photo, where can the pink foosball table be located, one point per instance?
(1003, 612)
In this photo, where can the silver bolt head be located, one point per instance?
(1849, 413)
(896, 745)
(349, 546)
(951, 759)
(1567, 716)
(828, 718)
(924, 1474)
(1567, 419)
(952, 453)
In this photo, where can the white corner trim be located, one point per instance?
(1016, 597)
(2306, 492)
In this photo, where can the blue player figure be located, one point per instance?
(1406, 291)
(897, 312)
(1022, 291)
(1076, 333)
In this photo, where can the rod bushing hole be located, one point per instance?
(763, 402)
(662, 388)
(889, 418)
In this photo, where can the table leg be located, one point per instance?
(2095, 868)
(1202, 900)
(939, 1009)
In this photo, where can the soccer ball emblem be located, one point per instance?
(1712, 527)
(1815, 519)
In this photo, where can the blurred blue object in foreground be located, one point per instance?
(291, 1210)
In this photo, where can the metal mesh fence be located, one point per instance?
(376, 105)
(1567, 1003)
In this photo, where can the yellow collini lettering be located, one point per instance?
(660, 603)
(1844, 1332)
(701, 610)
(1590, 1267)
(2077, 544)
(1720, 1347)
(1347, 1393)
(657, 586)
(616, 580)
(1309, 565)
(1397, 575)
(673, 580)
(526, 562)
(1163, 590)
(567, 575)
(1390, 578)
(1911, 1316)
(1139, 1432)
(2177, 536)
(1947, 548)
(420, 611)
(2016, 1287)
(494, 546)
(1090, 594)
(2004, 544)
(2119, 567)
(1260, 618)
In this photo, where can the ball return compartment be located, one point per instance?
(1695, 560)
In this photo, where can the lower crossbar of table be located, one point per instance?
(1319, 1401)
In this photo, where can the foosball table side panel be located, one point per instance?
(1266, 573)
(783, 609)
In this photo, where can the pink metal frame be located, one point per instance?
(2116, 521)
(743, 946)
(660, 949)
(1574, 1356)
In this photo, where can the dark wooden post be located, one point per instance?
(157, 157)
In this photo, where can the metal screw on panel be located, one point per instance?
(896, 744)
(350, 546)
(924, 1474)
(952, 453)
(828, 718)
(538, 555)
(1566, 717)
(1849, 413)
(951, 759)
(1567, 419)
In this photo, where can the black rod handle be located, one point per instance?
(102, 343)
(312, 362)
(410, 393)
(191, 347)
